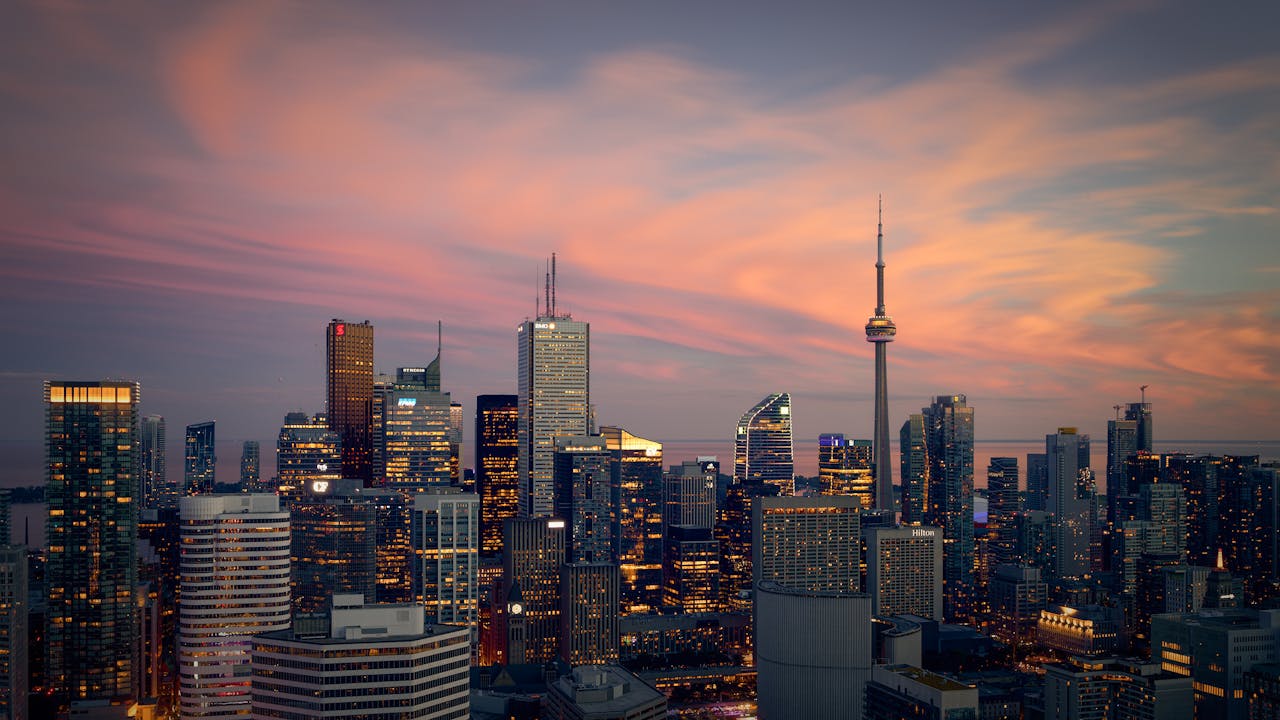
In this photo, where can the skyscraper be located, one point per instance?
(1003, 502)
(334, 544)
(1139, 414)
(412, 434)
(92, 569)
(234, 575)
(497, 472)
(201, 459)
(915, 470)
(881, 331)
(691, 569)
(153, 481)
(446, 548)
(948, 429)
(250, 466)
(1071, 499)
(531, 574)
(554, 388)
(584, 498)
(636, 468)
(763, 448)
(14, 645)
(845, 468)
(806, 543)
(904, 570)
(307, 451)
(349, 369)
(689, 493)
(589, 605)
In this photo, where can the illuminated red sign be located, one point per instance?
(339, 329)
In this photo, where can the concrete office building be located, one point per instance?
(1215, 648)
(813, 652)
(809, 543)
(604, 692)
(445, 542)
(380, 662)
(904, 691)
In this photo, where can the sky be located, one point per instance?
(1079, 199)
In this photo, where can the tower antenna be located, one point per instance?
(1143, 390)
(1117, 409)
(553, 284)
(546, 303)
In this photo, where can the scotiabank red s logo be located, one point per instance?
(339, 329)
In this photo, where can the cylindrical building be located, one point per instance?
(235, 584)
(813, 653)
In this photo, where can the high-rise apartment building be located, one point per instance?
(14, 640)
(763, 448)
(1122, 441)
(363, 661)
(845, 468)
(1003, 503)
(349, 371)
(1037, 482)
(534, 552)
(1139, 414)
(589, 604)
(234, 577)
(446, 550)
(689, 493)
(152, 479)
(250, 466)
(915, 470)
(554, 389)
(948, 430)
(198, 474)
(636, 469)
(880, 332)
(1072, 499)
(584, 498)
(307, 452)
(92, 571)
(809, 543)
(497, 466)
(413, 441)
(904, 571)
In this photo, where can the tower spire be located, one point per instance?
(553, 284)
(881, 330)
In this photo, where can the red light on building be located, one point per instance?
(339, 329)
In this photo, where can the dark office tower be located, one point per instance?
(1122, 441)
(349, 369)
(334, 546)
(1199, 476)
(1140, 414)
(412, 434)
(1037, 481)
(948, 432)
(734, 532)
(1003, 503)
(14, 639)
(915, 471)
(691, 569)
(1071, 500)
(497, 472)
(392, 510)
(689, 494)
(307, 451)
(1248, 535)
(762, 446)
(198, 472)
(636, 470)
(155, 488)
(584, 498)
(589, 614)
(531, 572)
(845, 468)
(554, 389)
(250, 466)
(881, 331)
(92, 527)
(1036, 544)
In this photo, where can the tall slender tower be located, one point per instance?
(881, 331)
(349, 369)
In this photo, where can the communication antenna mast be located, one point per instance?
(553, 284)
(1143, 390)
(547, 291)
(1117, 409)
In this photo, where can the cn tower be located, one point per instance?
(881, 331)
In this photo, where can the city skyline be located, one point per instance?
(191, 195)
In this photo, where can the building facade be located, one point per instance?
(763, 448)
(554, 396)
(948, 432)
(198, 475)
(234, 579)
(589, 603)
(845, 468)
(446, 550)
(92, 572)
(349, 372)
(497, 466)
(535, 550)
(904, 571)
(153, 477)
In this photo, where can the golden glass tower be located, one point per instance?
(349, 369)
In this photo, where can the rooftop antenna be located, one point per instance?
(879, 254)
(546, 303)
(537, 310)
(1143, 390)
(1117, 409)
(553, 284)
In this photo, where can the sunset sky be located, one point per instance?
(1079, 198)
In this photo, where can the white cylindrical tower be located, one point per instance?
(234, 576)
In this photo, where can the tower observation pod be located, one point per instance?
(880, 331)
